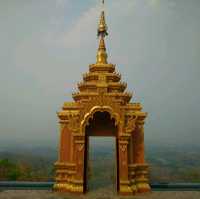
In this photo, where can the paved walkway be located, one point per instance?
(100, 194)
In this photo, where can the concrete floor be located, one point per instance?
(100, 194)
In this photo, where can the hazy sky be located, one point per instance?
(46, 45)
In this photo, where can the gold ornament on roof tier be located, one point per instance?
(101, 92)
(102, 29)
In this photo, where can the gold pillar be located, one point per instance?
(124, 183)
(64, 167)
(141, 170)
(131, 166)
(79, 150)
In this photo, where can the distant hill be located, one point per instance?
(167, 163)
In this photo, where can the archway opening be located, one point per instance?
(101, 153)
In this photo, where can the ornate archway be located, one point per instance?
(96, 109)
(101, 124)
(102, 92)
(129, 120)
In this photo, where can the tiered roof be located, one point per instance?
(102, 77)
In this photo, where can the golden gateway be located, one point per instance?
(101, 108)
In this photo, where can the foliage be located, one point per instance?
(167, 164)
(8, 170)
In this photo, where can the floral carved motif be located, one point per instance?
(123, 147)
(101, 100)
(130, 123)
(80, 147)
(74, 123)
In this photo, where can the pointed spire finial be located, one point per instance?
(102, 32)
(102, 28)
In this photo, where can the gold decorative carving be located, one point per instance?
(74, 123)
(123, 147)
(80, 147)
(101, 100)
(130, 123)
(93, 110)
(101, 91)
